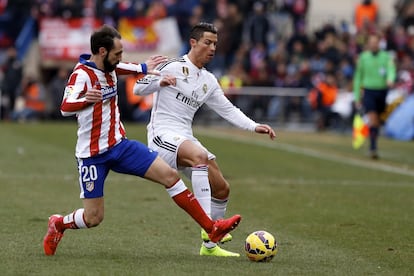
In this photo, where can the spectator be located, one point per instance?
(298, 10)
(258, 25)
(55, 94)
(366, 13)
(32, 99)
(230, 26)
(321, 99)
(69, 9)
(13, 72)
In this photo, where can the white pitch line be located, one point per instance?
(313, 153)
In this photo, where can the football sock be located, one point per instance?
(218, 208)
(187, 201)
(373, 135)
(201, 187)
(73, 220)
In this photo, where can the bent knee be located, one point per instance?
(200, 158)
(171, 177)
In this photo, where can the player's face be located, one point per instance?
(373, 43)
(205, 47)
(113, 57)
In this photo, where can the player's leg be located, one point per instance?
(161, 172)
(374, 105)
(192, 155)
(181, 152)
(220, 193)
(92, 175)
(137, 159)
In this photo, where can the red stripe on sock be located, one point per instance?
(187, 201)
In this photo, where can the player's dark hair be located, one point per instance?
(198, 30)
(104, 37)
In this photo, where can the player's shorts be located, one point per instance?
(167, 145)
(374, 100)
(127, 157)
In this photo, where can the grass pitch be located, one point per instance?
(332, 210)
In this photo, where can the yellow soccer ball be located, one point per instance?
(260, 246)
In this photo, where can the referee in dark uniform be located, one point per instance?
(375, 73)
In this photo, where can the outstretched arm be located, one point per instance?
(148, 67)
(153, 62)
(266, 129)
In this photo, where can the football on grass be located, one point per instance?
(260, 246)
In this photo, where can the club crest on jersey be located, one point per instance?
(205, 88)
(186, 71)
(90, 186)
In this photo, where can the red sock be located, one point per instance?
(189, 203)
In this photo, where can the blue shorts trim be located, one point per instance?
(128, 157)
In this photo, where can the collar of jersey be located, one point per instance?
(84, 59)
(192, 64)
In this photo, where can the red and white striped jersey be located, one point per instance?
(99, 124)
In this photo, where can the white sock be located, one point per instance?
(201, 187)
(177, 188)
(218, 208)
(75, 220)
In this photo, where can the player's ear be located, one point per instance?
(102, 51)
(193, 42)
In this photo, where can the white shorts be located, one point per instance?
(167, 145)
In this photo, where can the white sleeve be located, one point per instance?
(128, 67)
(73, 98)
(222, 106)
(147, 85)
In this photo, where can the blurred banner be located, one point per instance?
(64, 40)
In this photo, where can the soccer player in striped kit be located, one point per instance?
(91, 95)
(182, 88)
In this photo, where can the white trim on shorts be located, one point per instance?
(167, 146)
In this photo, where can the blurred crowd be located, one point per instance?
(261, 43)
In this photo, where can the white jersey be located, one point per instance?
(174, 107)
(99, 125)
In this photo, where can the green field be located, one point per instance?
(332, 210)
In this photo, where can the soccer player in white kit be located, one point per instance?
(182, 87)
(102, 146)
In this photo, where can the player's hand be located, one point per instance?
(93, 95)
(168, 80)
(266, 129)
(390, 84)
(152, 63)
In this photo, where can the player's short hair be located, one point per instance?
(198, 30)
(104, 37)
